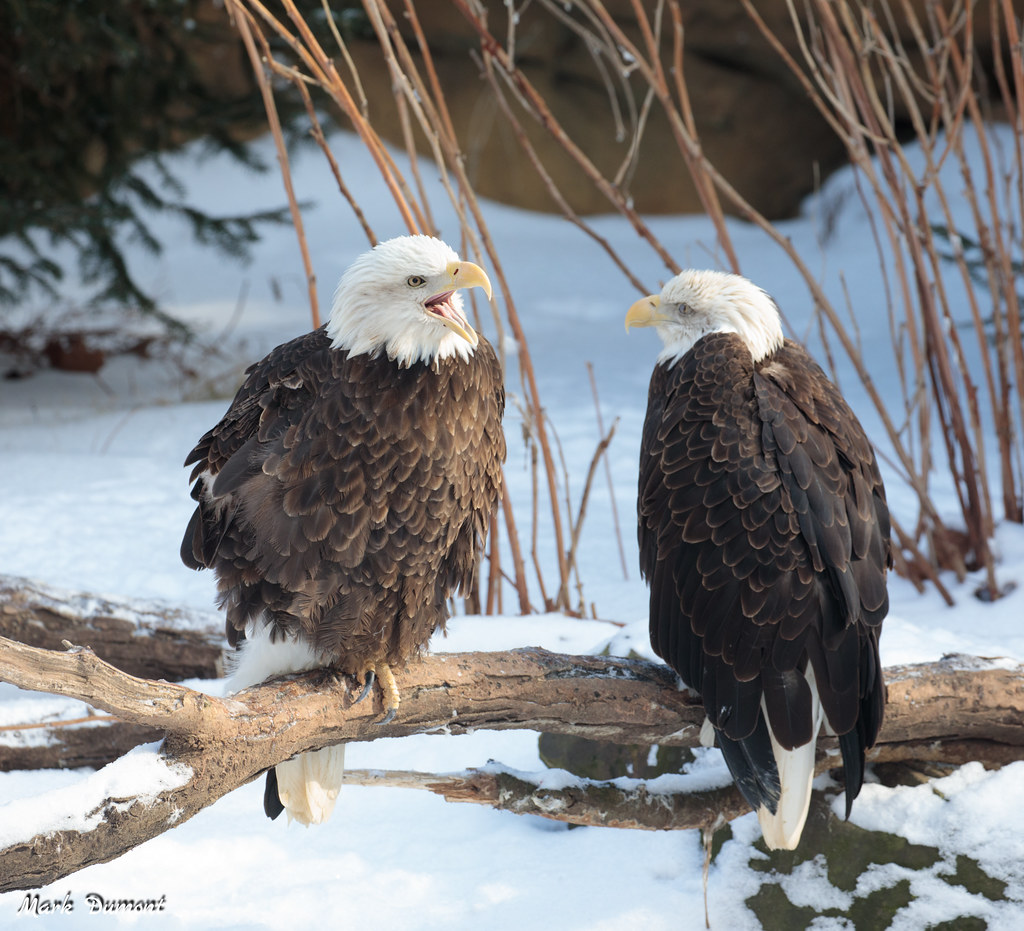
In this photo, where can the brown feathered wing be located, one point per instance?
(764, 535)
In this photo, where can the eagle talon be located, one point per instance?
(371, 677)
(388, 718)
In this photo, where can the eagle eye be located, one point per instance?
(415, 281)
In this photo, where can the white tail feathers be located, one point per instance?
(796, 772)
(308, 785)
(782, 830)
(707, 733)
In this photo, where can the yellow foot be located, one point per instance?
(389, 691)
(381, 672)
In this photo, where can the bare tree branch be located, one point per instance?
(214, 745)
(459, 692)
(92, 742)
(621, 804)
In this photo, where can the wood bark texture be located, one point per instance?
(957, 709)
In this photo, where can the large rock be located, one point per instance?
(755, 122)
(768, 141)
(758, 128)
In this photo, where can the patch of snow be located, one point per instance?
(141, 774)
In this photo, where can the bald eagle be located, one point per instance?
(764, 537)
(344, 496)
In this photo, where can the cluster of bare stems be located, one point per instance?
(856, 69)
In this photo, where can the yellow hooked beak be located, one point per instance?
(460, 275)
(646, 312)
(468, 275)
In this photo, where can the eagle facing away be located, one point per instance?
(764, 537)
(344, 496)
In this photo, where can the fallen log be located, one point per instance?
(214, 745)
(146, 638)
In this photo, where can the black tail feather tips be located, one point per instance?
(752, 764)
(271, 800)
(852, 746)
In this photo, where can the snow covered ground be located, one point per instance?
(95, 499)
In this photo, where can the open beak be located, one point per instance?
(646, 312)
(441, 308)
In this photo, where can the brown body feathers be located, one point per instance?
(764, 535)
(343, 499)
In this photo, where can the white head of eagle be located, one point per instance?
(402, 298)
(697, 302)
